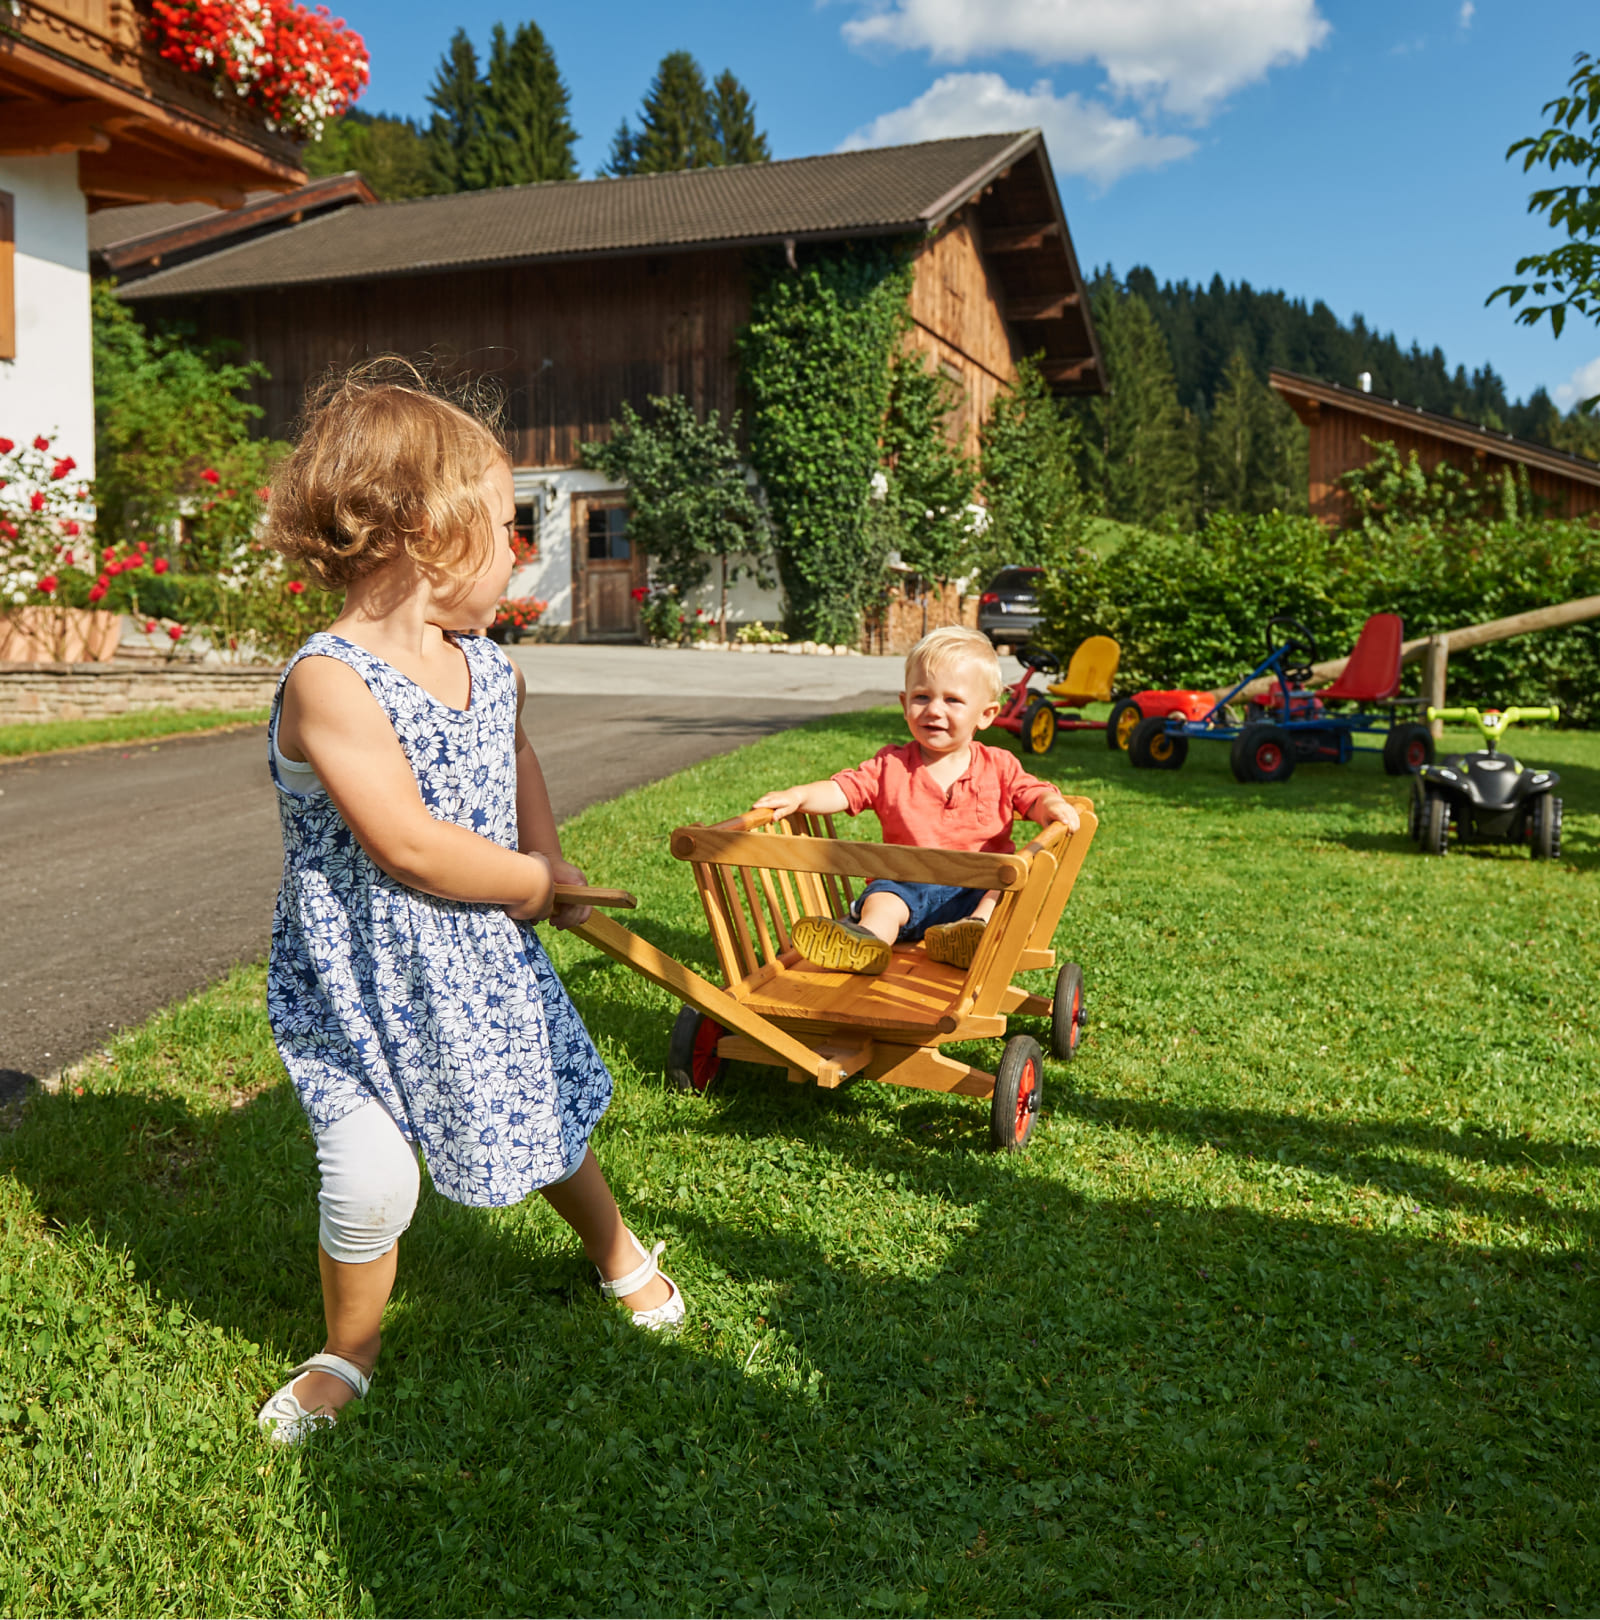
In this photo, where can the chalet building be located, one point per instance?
(1342, 421)
(91, 117)
(580, 296)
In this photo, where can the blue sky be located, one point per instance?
(1349, 150)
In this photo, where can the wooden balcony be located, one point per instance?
(78, 76)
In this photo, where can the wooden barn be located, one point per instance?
(582, 295)
(1342, 420)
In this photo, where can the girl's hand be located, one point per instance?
(568, 916)
(785, 802)
(541, 892)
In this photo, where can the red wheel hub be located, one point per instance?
(1028, 1096)
(1269, 756)
(704, 1062)
(1416, 754)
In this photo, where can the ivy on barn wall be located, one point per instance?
(815, 360)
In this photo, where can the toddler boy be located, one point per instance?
(941, 790)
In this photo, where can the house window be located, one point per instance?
(608, 534)
(526, 531)
(8, 276)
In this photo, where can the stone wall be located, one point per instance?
(91, 691)
(907, 616)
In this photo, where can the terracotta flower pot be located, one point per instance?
(57, 635)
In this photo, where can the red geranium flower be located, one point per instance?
(9, 530)
(149, 627)
(96, 591)
(6, 447)
(36, 500)
(211, 476)
(264, 493)
(113, 569)
(62, 467)
(47, 583)
(109, 554)
(69, 527)
(296, 586)
(638, 593)
(41, 443)
(160, 566)
(175, 631)
(132, 562)
(142, 547)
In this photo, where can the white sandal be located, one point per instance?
(285, 1421)
(670, 1312)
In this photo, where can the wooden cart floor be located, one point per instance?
(911, 994)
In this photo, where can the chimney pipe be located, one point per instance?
(1364, 382)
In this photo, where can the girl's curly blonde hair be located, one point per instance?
(385, 464)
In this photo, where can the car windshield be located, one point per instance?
(1016, 581)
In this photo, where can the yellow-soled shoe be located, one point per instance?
(832, 943)
(956, 943)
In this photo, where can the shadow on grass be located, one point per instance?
(915, 1379)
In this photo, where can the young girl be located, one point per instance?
(409, 999)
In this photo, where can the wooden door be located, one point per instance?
(605, 569)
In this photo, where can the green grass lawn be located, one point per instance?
(1289, 1307)
(53, 736)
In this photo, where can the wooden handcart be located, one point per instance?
(756, 877)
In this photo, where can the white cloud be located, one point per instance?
(1184, 56)
(1085, 137)
(1584, 383)
(1465, 16)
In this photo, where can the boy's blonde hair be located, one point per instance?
(384, 465)
(955, 644)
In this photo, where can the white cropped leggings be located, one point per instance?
(370, 1182)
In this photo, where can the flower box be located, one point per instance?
(58, 635)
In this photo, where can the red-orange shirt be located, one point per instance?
(976, 811)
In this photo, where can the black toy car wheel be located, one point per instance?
(1436, 825)
(1262, 753)
(1039, 726)
(1153, 748)
(1018, 1089)
(1066, 1012)
(1407, 749)
(1415, 812)
(693, 1062)
(1125, 716)
(1546, 819)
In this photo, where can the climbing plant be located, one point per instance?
(815, 360)
(930, 479)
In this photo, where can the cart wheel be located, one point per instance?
(1018, 1087)
(692, 1061)
(1066, 1011)
(1436, 825)
(1414, 817)
(1262, 753)
(1039, 726)
(1151, 748)
(1407, 749)
(1547, 828)
(1125, 715)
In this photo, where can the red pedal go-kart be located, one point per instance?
(1290, 722)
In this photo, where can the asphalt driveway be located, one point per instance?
(132, 876)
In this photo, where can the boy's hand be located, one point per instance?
(785, 802)
(1055, 808)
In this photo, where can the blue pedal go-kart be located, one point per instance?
(1291, 724)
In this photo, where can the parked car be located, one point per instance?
(1008, 610)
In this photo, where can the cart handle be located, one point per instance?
(748, 822)
(580, 894)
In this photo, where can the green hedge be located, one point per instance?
(1191, 609)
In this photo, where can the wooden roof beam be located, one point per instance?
(110, 177)
(1051, 307)
(35, 129)
(1020, 238)
(1066, 371)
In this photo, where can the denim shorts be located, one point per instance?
(930, 903)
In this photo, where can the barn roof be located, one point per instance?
(886, 191)
(1308, 395)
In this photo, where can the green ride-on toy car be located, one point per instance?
(1487, 796)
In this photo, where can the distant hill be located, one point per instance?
(1203, 327)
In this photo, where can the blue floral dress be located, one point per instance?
(447, 1014)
